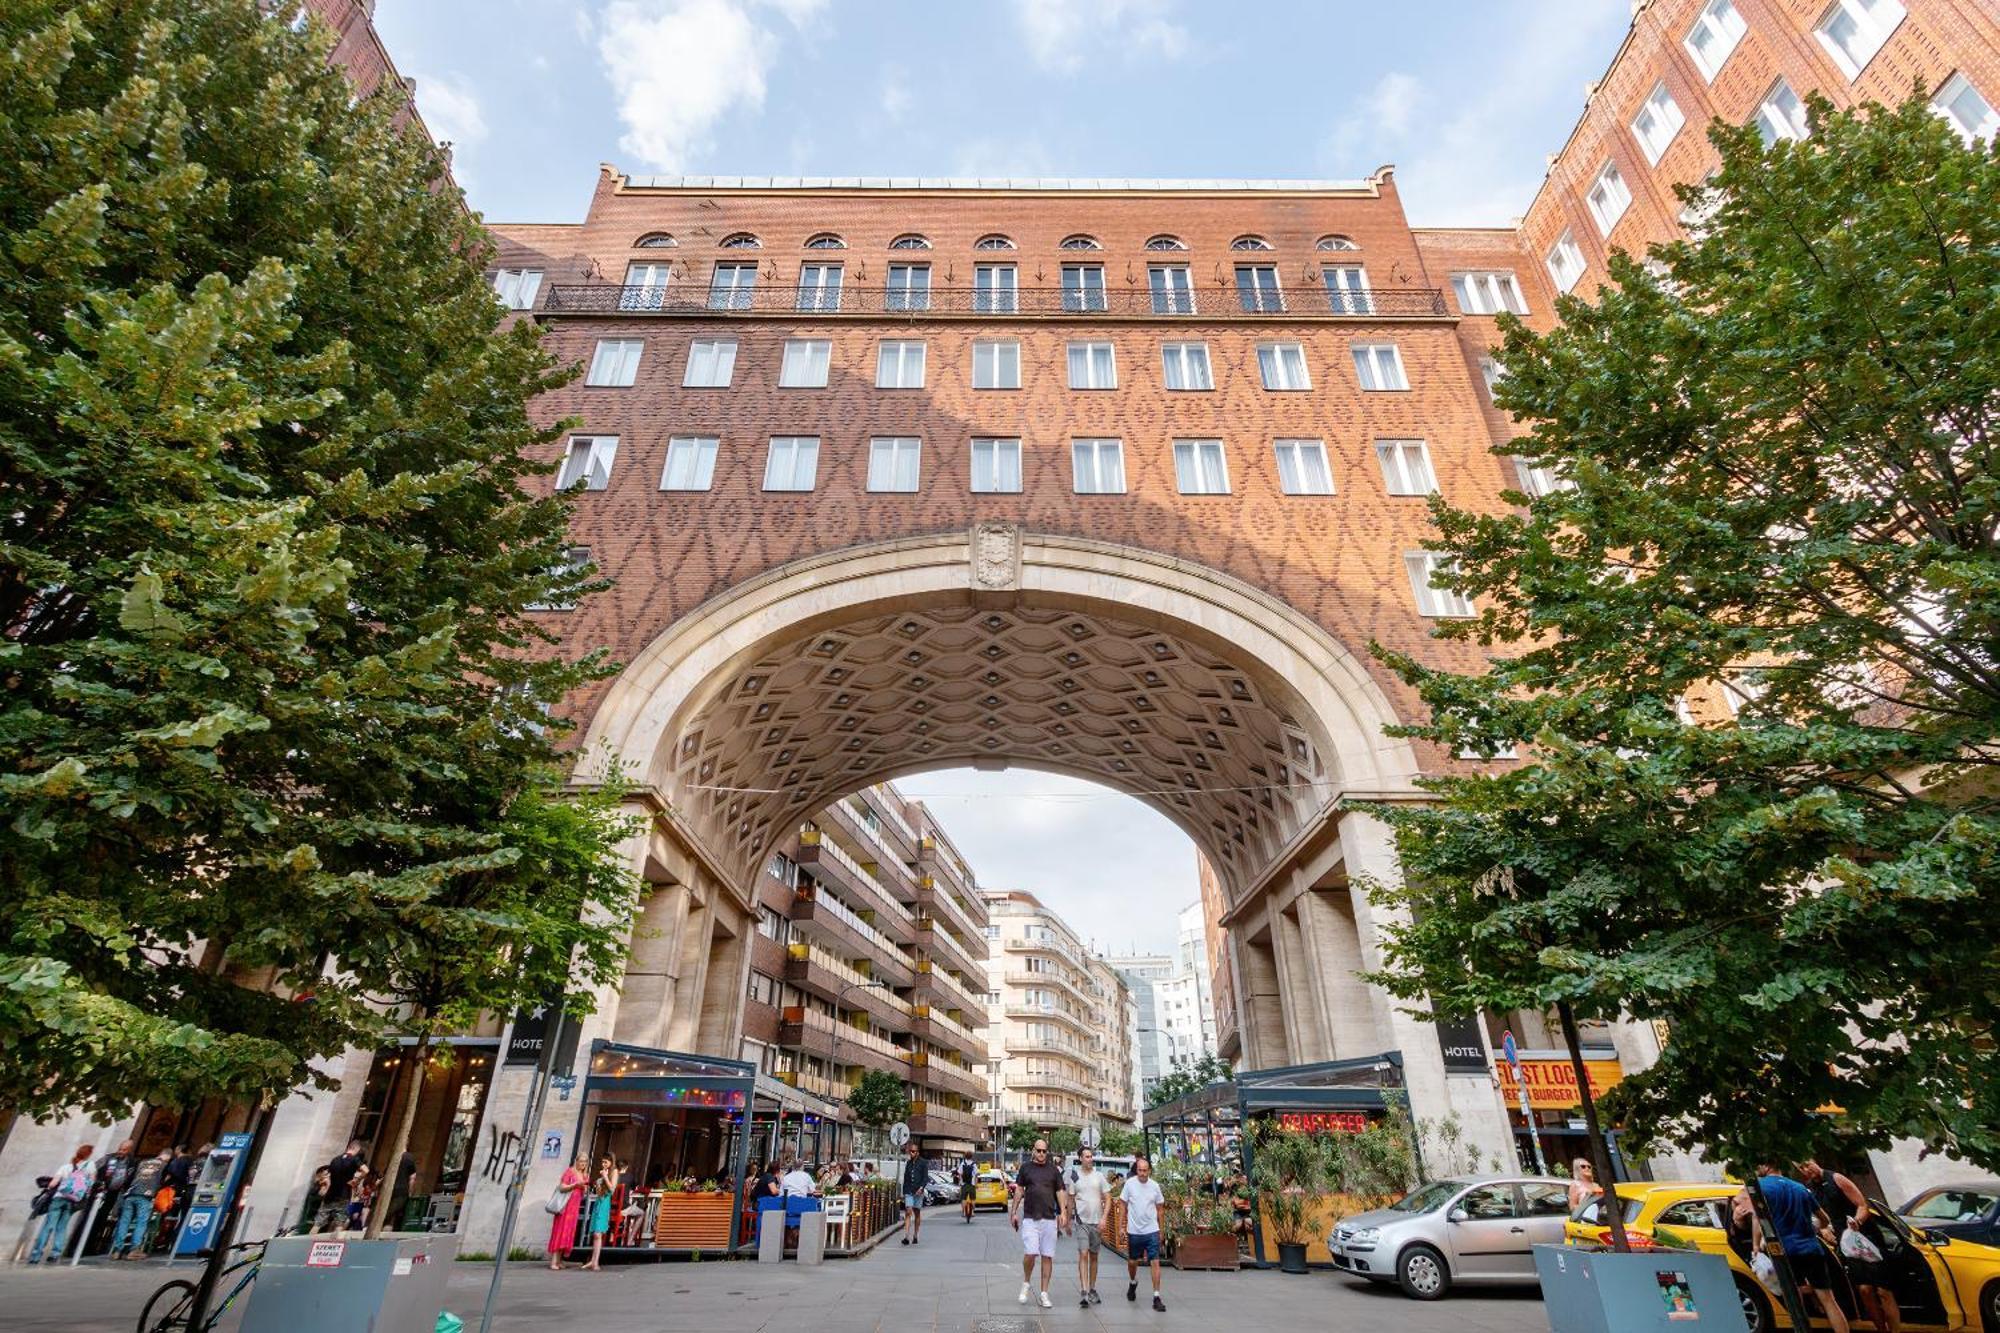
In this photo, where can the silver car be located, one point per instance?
(1474, 1229)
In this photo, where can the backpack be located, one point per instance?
(74, 1185)
(117, 1174)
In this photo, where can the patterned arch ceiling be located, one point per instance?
(1201, 738)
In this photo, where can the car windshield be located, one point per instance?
(1952, 1205)
(1428, 1199)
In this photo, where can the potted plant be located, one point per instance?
(1196, 1220)
(693, 1215)
(1292, 1172)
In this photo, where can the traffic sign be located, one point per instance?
(899, 1133)
(1092, 1136)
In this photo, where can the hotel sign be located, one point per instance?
(1552, 1083)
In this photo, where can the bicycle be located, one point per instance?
(178, 1295)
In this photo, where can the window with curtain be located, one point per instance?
(1172, 289)
(690, 463)
(710, 364)
(996, 364)
(909, 287)
(899, 364)
(1302, 467)
(1186, 366)
(893, 463)
(1379, 366)
(1083, 287)
(996, 466)
(732, 286)
(1257, 288)
(1092, 365)
(616, 363)
(1283, 366)
(792, 464)
(994, 290)
(1199, 467)
(588, 463)
(1099, 466)
(805, 363)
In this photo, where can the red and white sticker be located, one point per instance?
(326, 1253)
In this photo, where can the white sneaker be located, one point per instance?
(1045, 1300)
(1023, 1297)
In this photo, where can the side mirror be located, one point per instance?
(1457, 1215)
(1938, 1238)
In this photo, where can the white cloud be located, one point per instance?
(1383, 115)
(1063, 34)
(799, 13)
(450, 109)
(896, 98)
(677, 67)
(1003, 155)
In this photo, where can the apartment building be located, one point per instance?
(1060, 1040)
(1174, 999)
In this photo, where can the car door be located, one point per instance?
(1489, 1241)
(1544, 1210)
(1914, 1272)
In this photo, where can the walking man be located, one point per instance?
(1088, 1191)
(1142, 1198)
(916, 1179)
(1799, 1222)
(968, 1187)
(1040, 1209)
(340, 1173)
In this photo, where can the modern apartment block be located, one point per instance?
(1173, 995)
(1062, 1020)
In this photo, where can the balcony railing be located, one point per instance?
(833, 907)
(1208, 303)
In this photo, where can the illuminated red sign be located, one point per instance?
(1323, 1122)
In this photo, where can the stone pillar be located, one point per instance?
(720, 1029)
(1326, 921)
(683, 1020)
(1296, 987)
(1264, 1040)
(646, 995)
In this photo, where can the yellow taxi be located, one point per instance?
(1939, 1282)
(990, 1190)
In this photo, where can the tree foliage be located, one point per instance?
(1118, 1141)
(879, 1100)
(272, 528)
(1189, 1074)
(1780, 456)
(1021, 1134)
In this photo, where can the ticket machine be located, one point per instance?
(214, 1194)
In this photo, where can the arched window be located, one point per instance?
(825, 240)
(1080, 243)
(993, 242)
(1249, 243)
(1336, 243)
(910, 242)
(741, 240)
(655, 240)
(1166, 243)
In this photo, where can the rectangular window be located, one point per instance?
(1099, 465)
(1283, 366)
(899, 364)
(588, 463)
(690, 463)
(645, 287)
(1172, 289)
(909, 287)
(996, 466)
(805, 363)
(1491, 372)
(1347, 289)
(1442, 603)
(731, 286)
(1852, 31)
(792, 464)
(1488, 293)
(1379, 366)
(1083, 286)
(1092, 366)
(1658, 121)
(1186, 365)
(1199, 467)
(1781, 115)
(819, 286)
(516, 287)
(893, 463)
(1540, 479)
(996, 364)
(576, 560)
(1565, 261)
(1715, 33)
(1965, 110)
(1257, 288)
(710, 365)
(993, 289)
(1608, 198)
(1302, 468)
(1406, 466)
(616, 363)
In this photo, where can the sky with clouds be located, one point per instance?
(1466, 97)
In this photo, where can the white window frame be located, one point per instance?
(819, 286)
(732, 285)
(587, 463)
(1565, 262)
(1724, 28)
(1378, 373)
(1435, 603)
(1254, 296)
(1775, 120)
(805, 363)
(1948, 106)
(697, 475)
(645, 286)
(1282, 367)
(889, 457)
(893, 361)
(517, 287)
(1608, 198)
(1188, 356)
(1098, 359)
(1491, 372)
(1087, 293)
(1488, 292)
(1870, 23)
(711, 364)
(1347, 290)
(793, 462)
(1539, 479)
(1303, 468)
(995, 289)
(1204, 463)
(1657, 123)
(907, 287)
(575, 559)
(615, 363)
(1171, 287)
(1406, 467)
(1090, 474)
(996, 465)
(995, 361)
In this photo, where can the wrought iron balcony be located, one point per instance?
(1311, 302)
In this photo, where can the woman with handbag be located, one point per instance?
(566, 1203)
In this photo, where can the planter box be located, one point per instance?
(1659, 1291)
(694, 1221)
(1214, 1250)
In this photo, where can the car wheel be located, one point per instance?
(1756, 1305)
(1423, 1274)
(1989, 1307)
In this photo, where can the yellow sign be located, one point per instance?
(1552, 1083)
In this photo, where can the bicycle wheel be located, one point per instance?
(168, 1308)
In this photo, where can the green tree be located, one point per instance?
(1778, 448)
(1189, 1074)
(1118, 1141)
(1063, 1140)
(1021, 1135)
(879, 1100)
(273, 696)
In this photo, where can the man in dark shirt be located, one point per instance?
(1799, 1222)
(968, 1187)
(916, 1179)
(340, 1173)
(1041, 1209)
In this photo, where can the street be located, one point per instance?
(961, 1278)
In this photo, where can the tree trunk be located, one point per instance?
(399, 1143)
(1600, 1150)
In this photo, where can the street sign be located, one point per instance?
(1092, 1136)
(899, 1133)
(564, 1084)
(552, 1144)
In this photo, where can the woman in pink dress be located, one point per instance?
(562, 1232)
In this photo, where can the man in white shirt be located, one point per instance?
(798, 1181)
(1142, 1198)
(1088, 1191)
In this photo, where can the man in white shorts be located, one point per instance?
(1088, 1190)
(1041, 1209)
